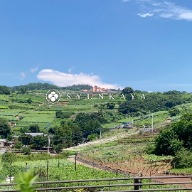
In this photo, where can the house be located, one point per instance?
(3, 143)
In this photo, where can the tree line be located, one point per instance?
(40, 86)
(152, 102)
(84, 127)
(176, 140)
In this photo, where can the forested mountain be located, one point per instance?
(47, 86)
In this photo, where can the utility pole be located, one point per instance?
(49, 141)
(152, 122)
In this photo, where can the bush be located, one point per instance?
(163, 142)
(150, 148)
(183, 159)
(8, 157)
(26, 151)
(18, 145)
(58, 148)
(93, 137)
(11, 170)
(63, 115)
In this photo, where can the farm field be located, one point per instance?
(16, 109)
(128, 155)
(58, 169)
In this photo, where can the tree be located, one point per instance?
(175, 137)
(8, 157)
(174, 111)
(34, 128)
(5, 129)
(39, 141)
(18, 145)
(163, 142)
(183, 129)
(183, 159)
(23, 90)
(25, 139)
(58, 114)
(58, 148)
(77, 135)
(4, 90)
(89, 123)
(110, 105)
(26, 151)
(127, 90)
(63, 135)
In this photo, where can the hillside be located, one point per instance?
(116, 134)
(25, 105)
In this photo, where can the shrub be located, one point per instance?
(25, 181)
(92, 136)
(18, 145)
(26, 151)
(183, 159)
(8, 157)
(58, 148)
(150, 148)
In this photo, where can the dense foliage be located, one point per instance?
(177, 140)
(89, 123)
(5, 129)
(34, 86)
(4, 90)
(152, 102)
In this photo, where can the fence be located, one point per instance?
(140, 184)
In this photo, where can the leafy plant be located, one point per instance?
(25, 181)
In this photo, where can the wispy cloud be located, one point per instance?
(145, 14)
(67, 79)
(163, 9)
(23, 75)
(71, 69)
(34, 69)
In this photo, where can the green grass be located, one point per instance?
(182, 170)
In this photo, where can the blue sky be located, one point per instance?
(145, 44)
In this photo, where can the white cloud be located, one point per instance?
(23, 75)
(33, 70)
(145, 14)
(67, 79)
(164, 9)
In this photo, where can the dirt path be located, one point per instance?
(101, 141)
